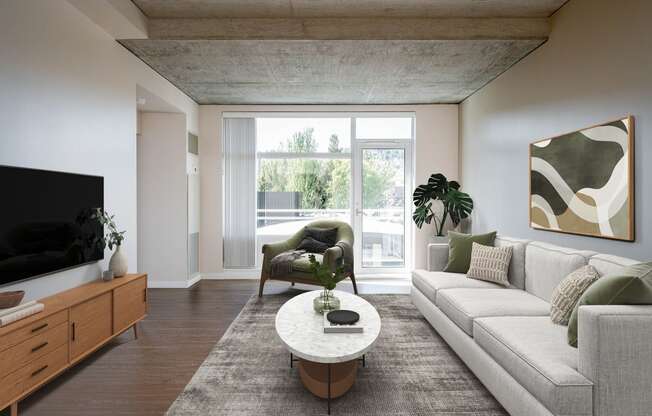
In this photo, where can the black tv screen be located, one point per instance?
(47, 222)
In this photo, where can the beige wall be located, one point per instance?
(162, 199)
(68, 103)
(596, 67)
(435, 151)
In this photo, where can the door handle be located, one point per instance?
(73, 331)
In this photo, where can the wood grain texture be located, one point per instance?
(90, 324)
(130, 304)
(33, 348)
(36, 327)
(33, 374)
(64, 300)
(143, 377)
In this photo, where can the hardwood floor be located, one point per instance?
(143, 377)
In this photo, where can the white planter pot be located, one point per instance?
(118, 263)
(439, 240)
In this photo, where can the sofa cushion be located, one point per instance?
(546, 265)
(430, 282)
(568, 292)
(490, 264)
(462, 306)
(517, 263)
(633, 286)
(459, 249)
(534, 351)
(607, 264)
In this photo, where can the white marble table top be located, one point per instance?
(301, 329)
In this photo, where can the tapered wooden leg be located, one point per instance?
(355, 287)
(292, 283)
(14, 409)
(262, 285)
(135, 327)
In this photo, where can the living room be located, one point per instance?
(325, 207)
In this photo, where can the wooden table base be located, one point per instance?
(315, 377)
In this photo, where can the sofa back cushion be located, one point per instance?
(546, 265)
(517, 263)
(607, 264)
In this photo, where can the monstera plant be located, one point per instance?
(449, 199)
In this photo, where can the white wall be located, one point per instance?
(68, 103)
(436, 150)
(162, 199)
(596, 67)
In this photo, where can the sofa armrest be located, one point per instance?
(437, 256)
(615, 353)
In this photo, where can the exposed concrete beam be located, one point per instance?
(120, 18)
(350, 28)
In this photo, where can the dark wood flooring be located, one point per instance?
(143, 377)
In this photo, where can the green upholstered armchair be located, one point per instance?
(340, 254)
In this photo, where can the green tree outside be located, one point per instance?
(325, 183)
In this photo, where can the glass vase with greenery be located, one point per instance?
(449, 199)
(112, 237)
(326, 301)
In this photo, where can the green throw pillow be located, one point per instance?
(459, 249)
(632, 286)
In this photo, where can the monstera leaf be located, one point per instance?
(458, 204)
(455, 203)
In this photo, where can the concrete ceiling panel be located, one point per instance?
(347, 8)
(329, 72)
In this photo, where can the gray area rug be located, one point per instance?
(410, 371)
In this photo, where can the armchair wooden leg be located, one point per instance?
(355, 287)
(262, 285)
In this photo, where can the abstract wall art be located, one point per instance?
(583, 182)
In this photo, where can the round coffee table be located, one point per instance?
(327, 362)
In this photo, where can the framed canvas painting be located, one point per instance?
(583, 182)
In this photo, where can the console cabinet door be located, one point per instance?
(130, 304)
(90, 324)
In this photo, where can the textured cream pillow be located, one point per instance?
(568, 293)
(490, 263)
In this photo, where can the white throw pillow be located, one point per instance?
(490, 263)
(568, 293)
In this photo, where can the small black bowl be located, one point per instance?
(342, 317)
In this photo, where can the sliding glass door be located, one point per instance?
(381, 214)
(382, 194)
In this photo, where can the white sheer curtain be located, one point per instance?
(239, 193)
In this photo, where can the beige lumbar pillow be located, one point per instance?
(568, 292)
(490, 263)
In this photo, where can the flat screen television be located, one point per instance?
(47, 222)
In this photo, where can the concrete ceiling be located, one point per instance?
(337, 51)
(347, 8)
(329, 72)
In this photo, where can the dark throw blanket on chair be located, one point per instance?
(282, 263)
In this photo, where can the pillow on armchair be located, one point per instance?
(311, 245)
(318, 240)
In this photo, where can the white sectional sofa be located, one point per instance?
(506, 338)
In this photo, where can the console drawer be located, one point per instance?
(22, 380)
(33, 348)
(33, 329)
